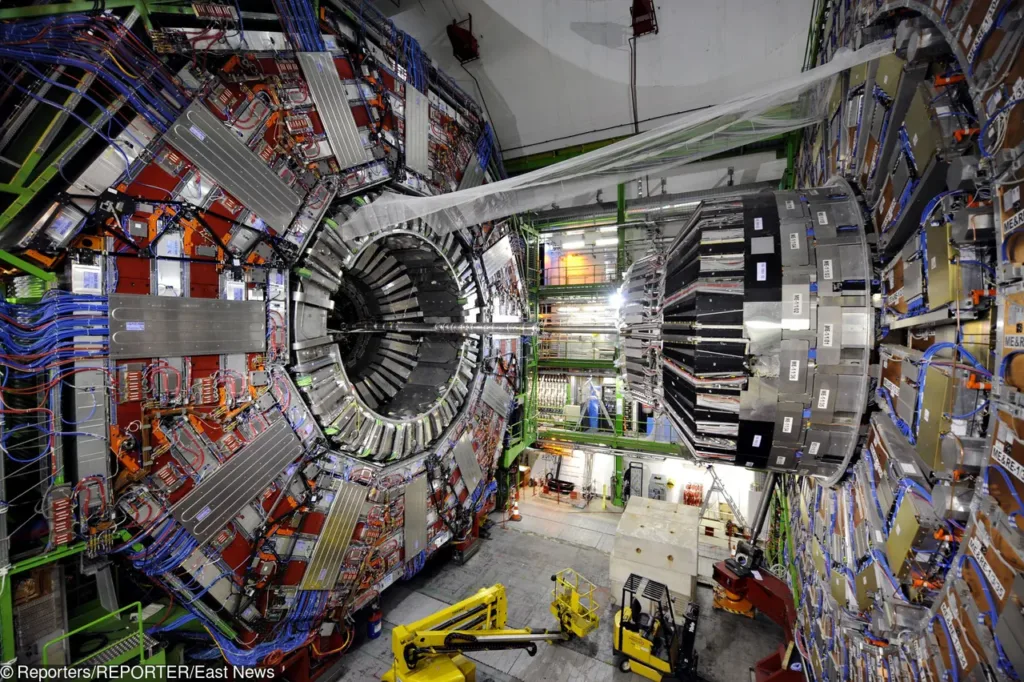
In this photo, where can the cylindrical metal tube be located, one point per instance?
(763, 505)
(577, 329)
(515, 328)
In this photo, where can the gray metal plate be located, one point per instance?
(465, 456)
(415, 517)
(496, 396)
(169, 327)
(328, 93)
(473, 176)
(793, 248)
(322, 570)
(225, 160)
(417, 130)
(222, 494)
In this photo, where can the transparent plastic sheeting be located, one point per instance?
(777, 108)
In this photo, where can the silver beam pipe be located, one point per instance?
(763, 505)
(577, 329)
(515, 328)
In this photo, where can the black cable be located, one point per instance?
(490, 119)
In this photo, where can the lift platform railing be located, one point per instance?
(572, 275)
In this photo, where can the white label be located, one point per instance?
(933, 264)
(794, 372)
(979, 553)
(897, 529)
(879, 537)
(780, 460)
(197, 133)
(798, 304)
(790, 204)
(756, 442)
(927, 415)
(885, 79)
(826, 269)
(823, 398)
(787, 426)
(826, 335)
(913, 140)
(822, 218)
(965, 39)
(794, 241)
(908, 468)
(1008, 463)
(758, 223)
(762, 272)
(813, 448)
(757, 575)
(953, 635)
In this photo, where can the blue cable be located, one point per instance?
(988, 122)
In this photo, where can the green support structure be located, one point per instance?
(620, 219)
(611, 440)
(7, 646)
(620, 426)
(525, 164)
(574, 290)
(620, 468)
(27, 267)
(556, 363)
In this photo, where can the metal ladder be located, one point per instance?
(718, 487)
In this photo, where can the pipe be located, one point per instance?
(443, 328)
(577, 329)
(763, 505)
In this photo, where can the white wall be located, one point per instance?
(556, 72)
(680, 472)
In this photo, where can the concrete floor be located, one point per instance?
(523, 556)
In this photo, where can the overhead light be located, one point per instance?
(615, 300)
(607, 241)
(609, 228)
(568, 309)
(574, 245)
(574, 233)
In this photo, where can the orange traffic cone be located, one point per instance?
(516, 516)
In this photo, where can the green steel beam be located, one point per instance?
(143, 7)
(612, 441)
(620, 468)
(620, 218)
(601, 288)
(27, 267)
(525, 164)
(556, 363)
(620, 404)
(7, 646)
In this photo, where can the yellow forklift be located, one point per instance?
(650, 642)
(431, 649)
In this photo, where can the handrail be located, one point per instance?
(142, 643)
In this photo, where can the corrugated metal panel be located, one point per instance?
(417, 130)
(415, 517)
(170, 327)
(328, 94)
(497, 396)
(324, 565)
(221, 495)
(473, 176)
(222, 158)
(465, 456)
(498, 256)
